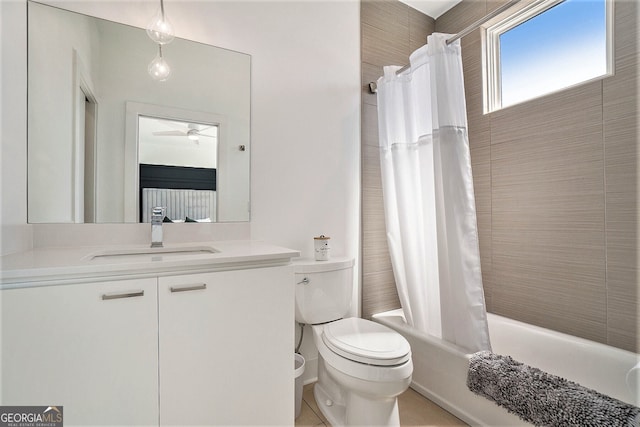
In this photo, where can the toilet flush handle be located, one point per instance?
(304, 281)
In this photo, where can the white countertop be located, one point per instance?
(53, 266)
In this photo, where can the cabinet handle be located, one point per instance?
(106, 297)
(198, 287)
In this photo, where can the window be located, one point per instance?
(546, 47)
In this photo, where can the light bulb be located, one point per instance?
(192, 134)
(160, 29)
(158, 68)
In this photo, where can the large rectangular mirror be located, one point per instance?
(106, 141)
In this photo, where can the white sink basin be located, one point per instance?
(154, 254)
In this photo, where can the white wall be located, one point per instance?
(51, 134)
(15, 234)
(305, 112)
(175, 150)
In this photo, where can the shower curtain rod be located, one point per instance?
(373, 87)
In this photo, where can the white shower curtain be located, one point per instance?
(428, 195)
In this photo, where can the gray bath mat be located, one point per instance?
(544, 399)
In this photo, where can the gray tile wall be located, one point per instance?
(390, 31)
(556, 183)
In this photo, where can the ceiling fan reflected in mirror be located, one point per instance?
(193, 131)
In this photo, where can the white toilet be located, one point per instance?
(362, 366)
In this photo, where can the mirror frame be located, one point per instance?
(131, 164)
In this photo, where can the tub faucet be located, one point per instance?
(157, 216)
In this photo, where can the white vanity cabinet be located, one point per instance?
(142, 337)
(226, 341)
(91, 348)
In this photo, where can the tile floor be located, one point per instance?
(415, 410)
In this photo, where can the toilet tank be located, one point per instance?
(323, 289)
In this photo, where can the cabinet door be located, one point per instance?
(91, 348)
(226, 351)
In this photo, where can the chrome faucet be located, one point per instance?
(157, 216)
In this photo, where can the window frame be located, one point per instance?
(491, 51)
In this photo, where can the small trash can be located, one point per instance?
(299, 370)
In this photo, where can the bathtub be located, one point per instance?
(440, 368)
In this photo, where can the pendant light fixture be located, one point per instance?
(160, 29)
(158, 68)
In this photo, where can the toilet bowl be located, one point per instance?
(361, 372)
(362, 366)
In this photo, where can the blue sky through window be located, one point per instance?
(560, 47)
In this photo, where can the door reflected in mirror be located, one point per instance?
(177, 164)
(87, 87)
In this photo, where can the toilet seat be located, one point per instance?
(355, 369)
(366, 342)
